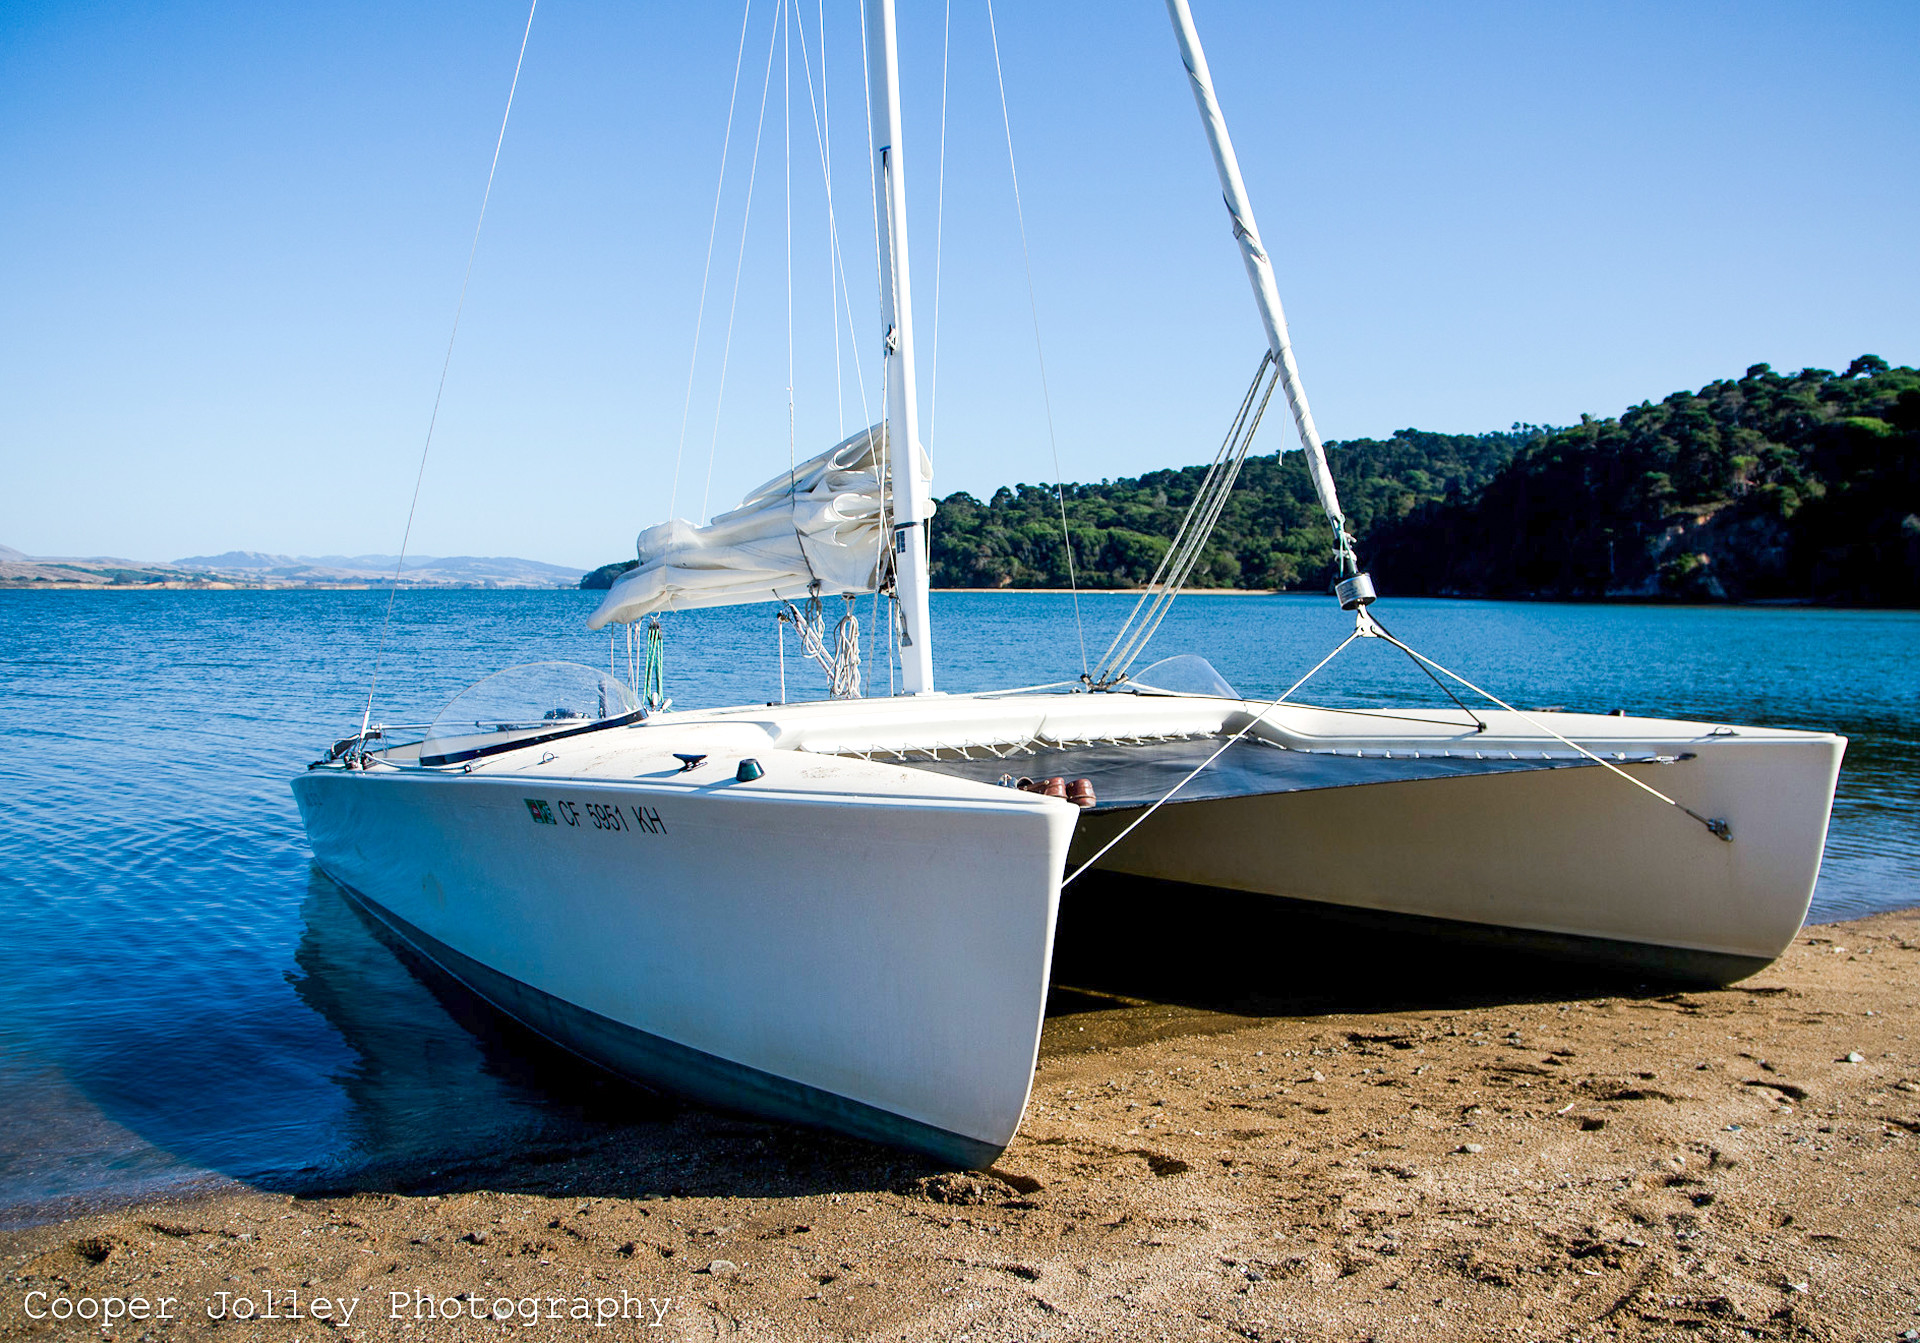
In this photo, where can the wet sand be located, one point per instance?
(1291, 1138)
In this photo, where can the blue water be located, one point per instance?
(182, 998)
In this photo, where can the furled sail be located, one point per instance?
(817, 530)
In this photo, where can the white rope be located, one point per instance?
(786, 147)
(1196, 528)
(739, 264)
(1194, 773)
(939, 227)
(706, 269)
(823, 130)
(841, 662)
(473, 250)
(1033, 304)
(1717, 827)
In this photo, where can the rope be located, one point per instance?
(786, 131)
(1033, 304)
(1718, 828)
(842, 292)
(1196, 529)
(939, 225)
(1447, 690)
(739, 264)
(706, 269)
(1194, 773)
(473, 250)
(1367, 627)
(653, 683)
(841, 662)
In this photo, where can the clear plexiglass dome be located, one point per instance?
(522, 705)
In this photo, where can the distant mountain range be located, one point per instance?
(254, 569)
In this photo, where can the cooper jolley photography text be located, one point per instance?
(410, 1304)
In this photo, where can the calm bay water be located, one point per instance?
(181, 997)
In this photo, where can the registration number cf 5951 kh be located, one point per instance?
(607, 816)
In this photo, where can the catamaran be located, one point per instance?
(842, 912)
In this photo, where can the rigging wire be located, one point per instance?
(740, 261)
(786, 150)
(1717, 827)
(823, 125)
(706, 269)
(1358, 632)
(1365, 626)
(1196, 529)
(1033, 304)
(823, 137)
(837, 279)
(939, 224)
(433, 419)
(884, 461)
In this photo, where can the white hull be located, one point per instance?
(875, 963)
(1577, 854)
(861, 939)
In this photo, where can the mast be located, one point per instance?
(912, 497)
(1266, 293)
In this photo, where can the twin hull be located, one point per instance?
(866, 946)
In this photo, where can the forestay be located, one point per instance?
(821, 529)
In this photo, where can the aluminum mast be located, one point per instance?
(1266, 294)
(912, 499)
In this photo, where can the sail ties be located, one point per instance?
(841, 662)
(1196, 529)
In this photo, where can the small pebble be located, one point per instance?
(1856, 1058)
(1470, 1148)
(719, 1266)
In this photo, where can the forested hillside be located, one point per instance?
(1800, 486)
(1271, 534)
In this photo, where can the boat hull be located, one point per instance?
(1574, 862)
(785, 952)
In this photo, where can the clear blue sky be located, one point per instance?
(232, 237)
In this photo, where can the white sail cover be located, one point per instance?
(814, 530)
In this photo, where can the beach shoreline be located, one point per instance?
(1482, 1161)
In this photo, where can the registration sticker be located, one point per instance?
(542, 813)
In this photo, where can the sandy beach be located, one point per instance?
(1293, 1142)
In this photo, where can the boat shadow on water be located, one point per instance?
(445, 1094)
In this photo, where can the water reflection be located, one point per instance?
(433, 1070)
